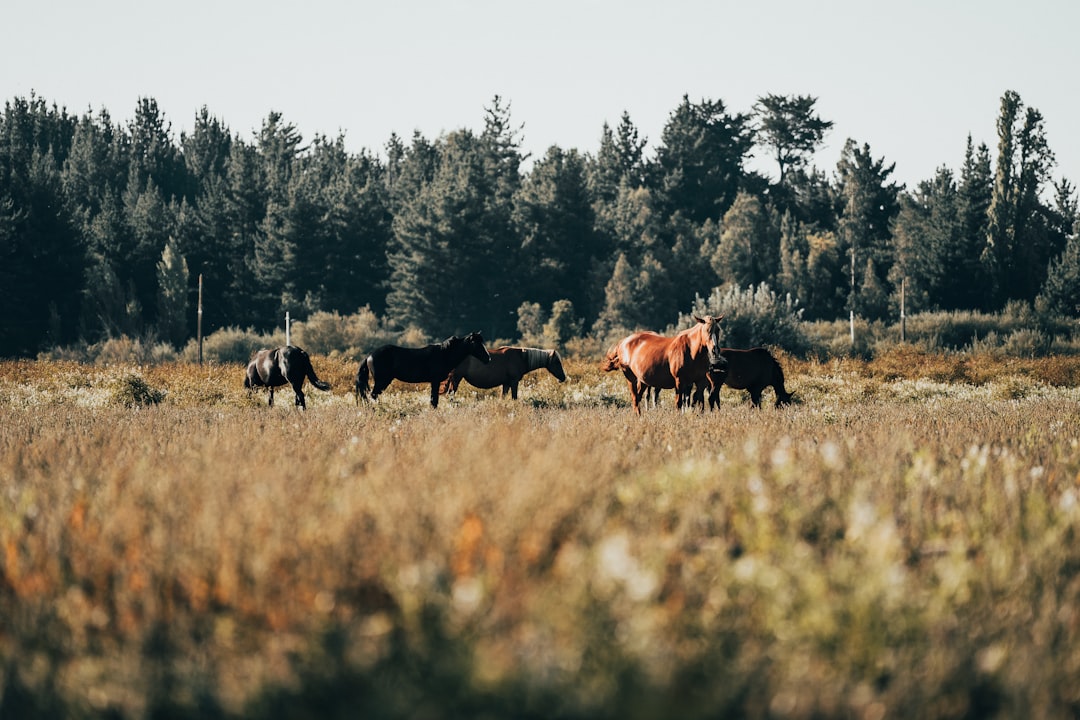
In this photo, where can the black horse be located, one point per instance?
(754, 370)
(280, 366)
(428, 364)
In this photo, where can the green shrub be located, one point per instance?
(131, 390)
(329, 333)
(754, 316)
(231, 345)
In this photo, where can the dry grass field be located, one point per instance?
(904, 541)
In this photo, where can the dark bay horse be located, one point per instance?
(428, 364)
(506, 368)
(650, 360)
(754, 370)
(280, 366)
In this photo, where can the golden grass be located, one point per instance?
(902, 542)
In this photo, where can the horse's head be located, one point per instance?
(611, 360)
(718, 372)
(476, 347)
(713, 337)
(554, 366)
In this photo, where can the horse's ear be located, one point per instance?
(697, 319)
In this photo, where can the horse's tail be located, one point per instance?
(320, 384)
(783, 397)
(361, 389)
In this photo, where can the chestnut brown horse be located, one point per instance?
(651, 395)
(506, 368)
(279, 366)
(650, 360)
(754, 370)
(428, 364)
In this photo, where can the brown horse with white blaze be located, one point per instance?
(650, 360)
(507, 366)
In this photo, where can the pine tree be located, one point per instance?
(974, 198)
(700, 159)
(1061, 292)
(172, 307)
(790, 129)
(870, 203)
(746, 254)
(554, 218)
(928, 234)
(451, 258)
(1019, 243)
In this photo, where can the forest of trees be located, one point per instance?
(105, 227)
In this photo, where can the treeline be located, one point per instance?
(105, 227)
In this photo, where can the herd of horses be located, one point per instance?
(691, 363)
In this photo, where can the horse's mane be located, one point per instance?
(536, 358)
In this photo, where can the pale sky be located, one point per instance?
(912, 79)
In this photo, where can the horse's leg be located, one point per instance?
(755, 395)
(699, 396)
(636, 389)
(513, 391)
(298, 388)
(435, 394)
(271, 388)
(681, 394)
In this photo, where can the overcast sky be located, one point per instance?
(910, 79)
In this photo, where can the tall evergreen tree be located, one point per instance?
(974, 197)
(554, 218)
(452, 246)
(154, 157)
(42, 254)
(930, 257)
(870, 203)
(1019, 244)
(274, 242)
(747, 253)
(790, 129)
(701, 158)
(631, 297)
(205, 150)
(172, 306)
(150, 222)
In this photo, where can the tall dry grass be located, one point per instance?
(902, 542)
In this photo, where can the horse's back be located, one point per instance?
(646, 354)
(413, 365)
(505, 363)
(750, 367)
(270, 367)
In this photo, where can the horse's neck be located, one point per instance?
(536, 358)
(696, 339)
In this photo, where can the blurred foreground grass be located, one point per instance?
(900, 543)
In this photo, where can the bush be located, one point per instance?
(231, 345)
(326, 333)
(753, 317)
(132, 390)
